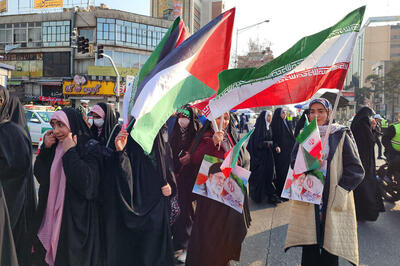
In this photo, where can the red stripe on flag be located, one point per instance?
(213, 57)
(295, 90)
(316, 150)
(183, 33)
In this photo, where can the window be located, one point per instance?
(56, 33)
(395, 45)
(56, 64)
(87, 33)
(123, 59)
(131, 34)
(394, 37)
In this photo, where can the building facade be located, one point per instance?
(378, 40)
(46, 60)
(195, 13)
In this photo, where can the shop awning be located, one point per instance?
(52, 82)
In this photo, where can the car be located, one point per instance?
(38, 118)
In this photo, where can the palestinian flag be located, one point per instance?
(310, 139)
(175, 35)
(317, 61)
(232, 155)
(187, 73)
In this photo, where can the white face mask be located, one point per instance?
(98, 122)
(183, 122)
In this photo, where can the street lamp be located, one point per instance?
(243, 29)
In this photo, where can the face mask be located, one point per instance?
(183, 122)
(98, 122)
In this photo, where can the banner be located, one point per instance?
(212, 183)
(47, 3)
(109, 71)
(3, 6)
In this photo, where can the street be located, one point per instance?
(377, 240)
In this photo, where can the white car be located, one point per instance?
(38, 123)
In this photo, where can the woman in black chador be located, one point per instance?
(105, 125)
(16, 176)
(181, 139)
(283, 138)
(143, 183)
(367, 197)
(68, 168)
(262, 165)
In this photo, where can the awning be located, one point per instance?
(14, 82)
(52, 82)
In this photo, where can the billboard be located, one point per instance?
(3, 6)
(81, 86)
(47, 3)
(109, 71)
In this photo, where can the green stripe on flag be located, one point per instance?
(312, 163)
(307, 131)
(238, 146)
(188, 90)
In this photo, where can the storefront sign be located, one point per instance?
(92, 88)
(109, 71)
(48, 3)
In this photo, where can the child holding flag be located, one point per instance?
(329, 230)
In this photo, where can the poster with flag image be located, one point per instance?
(305, 182)
(212, 183)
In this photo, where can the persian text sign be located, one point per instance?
(91, 87)
(48, 3)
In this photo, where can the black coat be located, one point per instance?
(283, 138)
(80, 240)
(16, 175)
(367, 196)
(137, 225)
(8, 255)
(262, 165)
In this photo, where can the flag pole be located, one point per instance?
(331, 119)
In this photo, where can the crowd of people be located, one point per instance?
(103, 201)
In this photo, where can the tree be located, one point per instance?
(392, 84)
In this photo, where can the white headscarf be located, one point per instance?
(266, 122)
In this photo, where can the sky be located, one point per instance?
(290, 20)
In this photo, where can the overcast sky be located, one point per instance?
(290, 20)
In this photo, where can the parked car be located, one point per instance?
(38, 118)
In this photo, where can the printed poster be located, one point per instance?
(213, 184)
(306, 188)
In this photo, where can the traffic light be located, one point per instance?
(80, 43)
(83, 45)
(100, 51)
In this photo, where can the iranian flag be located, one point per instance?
(232, 155)
(187, 73)
(315, 62)
(310, 148)
(310, 139)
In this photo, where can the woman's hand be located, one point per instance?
(218, 137)
(120, 140)
(166, 190)
(185, 160)
(69, 142)
(49, 139)
(278, 150)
